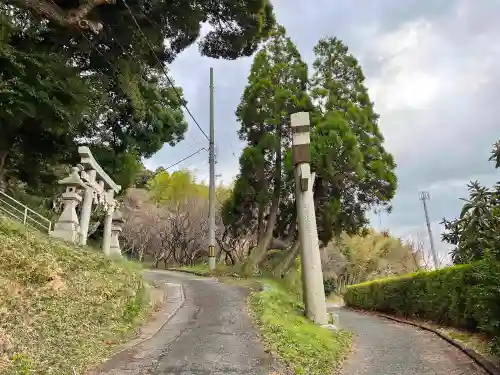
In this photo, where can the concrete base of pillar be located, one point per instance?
(211, 263)
(66, 232)
(115, 252)
(331, 327)
(114, 246)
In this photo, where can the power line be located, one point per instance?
(163, 69)
(187, 157)
(231, 147)
(171, 83)
(155, 24)
(113, 68)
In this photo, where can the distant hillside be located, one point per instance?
(62, 309)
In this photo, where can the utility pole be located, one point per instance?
(211, 194)
(424, 196)
(312, 274)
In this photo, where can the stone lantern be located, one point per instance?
(67, 226)
(116, 227)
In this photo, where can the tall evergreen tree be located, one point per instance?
(354, 172)
(276, 88)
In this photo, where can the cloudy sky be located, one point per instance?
(433, 71)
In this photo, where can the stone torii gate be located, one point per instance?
(90, 181)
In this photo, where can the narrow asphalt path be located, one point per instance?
(211, 334)
(383, 347)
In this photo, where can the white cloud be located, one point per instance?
(422, 70)
(439, 186)
(405, 82)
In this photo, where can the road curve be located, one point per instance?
(211, 334)
(383, 347)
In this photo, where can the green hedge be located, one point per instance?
(464, 296)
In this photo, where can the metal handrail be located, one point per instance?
(23, 213)
(8, 213)
(24, 206)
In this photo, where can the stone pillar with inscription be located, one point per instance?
(312, 273)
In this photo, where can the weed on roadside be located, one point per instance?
(304, 346)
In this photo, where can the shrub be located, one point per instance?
(464, 296)
(330, 286)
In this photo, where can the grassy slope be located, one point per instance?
(62, 309)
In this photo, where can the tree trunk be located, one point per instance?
(258, 254)
(231, 258)
(260, 221)
(261, 207)
(221, 255)
(76, 17)
(3, 169)
(176, 258)
(282, 268)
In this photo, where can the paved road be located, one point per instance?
(382, 347)
(211, 334)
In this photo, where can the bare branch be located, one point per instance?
(77, 18)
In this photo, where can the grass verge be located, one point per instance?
(62, 309)
(203, 270)
(305, 347)
(336, 298)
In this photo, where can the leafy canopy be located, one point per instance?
(43, 101)
(176, 187)
(276, 88)
(237, 26)
(107, 87)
